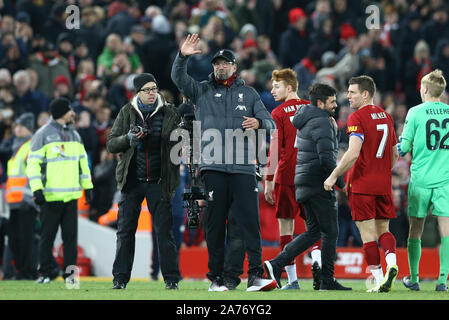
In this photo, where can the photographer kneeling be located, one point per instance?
(141, 133)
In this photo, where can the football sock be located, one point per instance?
(444, 260)
(316, 256)
(388, 243)
(372, 254)
(372, 257)
(291, 273)
(414, 255)
(377, 273)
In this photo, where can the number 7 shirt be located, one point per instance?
(426, 128)
(371, 173)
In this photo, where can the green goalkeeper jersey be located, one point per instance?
(426, 134)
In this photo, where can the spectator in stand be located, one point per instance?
(157, 47)
(245, 12)
(441, 56)
(49, 65)
(23, 31)
(42, 119)
(13, 59)
(213, 8)
(81, 52)
(416, 68)
(294, 39)
(120, 19)
(55, 24)
(102, 124)
(62, 88)
(342, 13)
(411, 33)
(307, 68)
(91, 30)
(106, 58)
(325, 36)
(320, 14)
(437, 28)
(29, 100)
(9, 102)
(5, 77)
(65, 50)
(137, 36)
(347, 65)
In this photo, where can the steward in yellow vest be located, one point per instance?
(58, 171)
(23, 210)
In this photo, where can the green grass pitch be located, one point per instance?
(92, 288)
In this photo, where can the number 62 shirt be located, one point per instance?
(426, 128)
(371, 173)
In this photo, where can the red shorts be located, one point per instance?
(285, 202)
(371, 206)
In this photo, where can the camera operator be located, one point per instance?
(141, 134)
(221, 103)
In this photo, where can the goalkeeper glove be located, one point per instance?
(401, 153)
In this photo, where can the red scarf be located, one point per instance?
(308, 65)
(47, 61)
(227, 82)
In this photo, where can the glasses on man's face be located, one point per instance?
(148, 90)
(223, 64)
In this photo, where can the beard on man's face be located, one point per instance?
(222, 74)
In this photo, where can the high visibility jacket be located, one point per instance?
(57, 163)
(17, 187)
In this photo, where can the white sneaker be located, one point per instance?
(214, 286)
(42, 279)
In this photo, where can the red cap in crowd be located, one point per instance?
(295, 14)
(61, 79)
(347, 31)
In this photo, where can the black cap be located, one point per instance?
(64, 37)
(59, 107)
(142, 79)
(224, 54)
(48, 46)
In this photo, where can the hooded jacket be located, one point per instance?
(220, 110)
(118, 142)
(317, 143)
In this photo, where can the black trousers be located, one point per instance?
(128, 215)
(20, 239)
(234, 250)
(54, 214)
(236, 193)
(321, 221)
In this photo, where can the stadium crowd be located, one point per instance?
(93, 64)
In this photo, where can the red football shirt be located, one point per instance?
(284, 140)
(371, 173)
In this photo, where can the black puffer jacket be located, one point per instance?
(317, 142)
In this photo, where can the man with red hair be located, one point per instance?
(279, 185)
